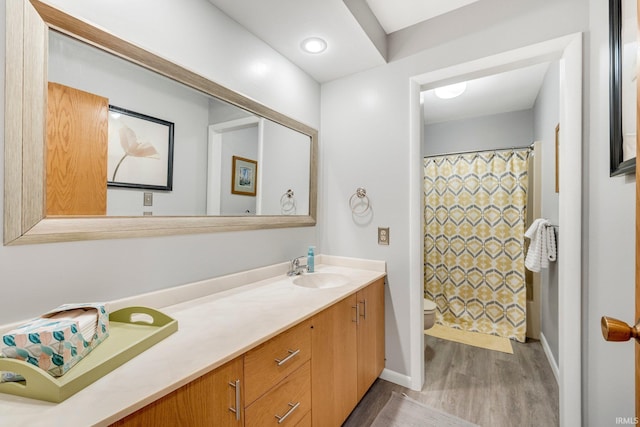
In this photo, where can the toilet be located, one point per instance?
(429, 313)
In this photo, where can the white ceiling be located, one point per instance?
(399, 14)
(354, 45)
(284, 24)
(499, 93)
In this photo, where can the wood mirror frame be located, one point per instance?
(25, 220)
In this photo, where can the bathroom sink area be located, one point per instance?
(264, 295)
(320, 280)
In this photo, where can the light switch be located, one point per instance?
(383, 235)
(148, 199)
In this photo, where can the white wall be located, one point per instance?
(194, 33)
(546, 117)
(608, 241)
(365, 125)
(506, 130)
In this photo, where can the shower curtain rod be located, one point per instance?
(528, 147)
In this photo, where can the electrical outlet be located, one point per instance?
(148, 199)
(383, 235)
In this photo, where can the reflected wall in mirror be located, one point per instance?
(276, 149)
(208, 132)
(45, 44)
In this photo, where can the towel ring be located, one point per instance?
(288, 203)
(362, 199)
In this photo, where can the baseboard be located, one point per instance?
(549, 354)
(396, 378)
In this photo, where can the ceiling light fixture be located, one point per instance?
(314, 45)
(451, 91)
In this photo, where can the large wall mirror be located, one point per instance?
(106, 140)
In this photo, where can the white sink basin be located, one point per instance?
(321, 280)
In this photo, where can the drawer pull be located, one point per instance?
(292, 354)
(236, 410)
(289, 412)
(364, 309)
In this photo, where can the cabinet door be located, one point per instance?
(76, 158)
(206, 401)
(370, 335)
(334, 363)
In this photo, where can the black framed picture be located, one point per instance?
(623, 29)
(140, 151)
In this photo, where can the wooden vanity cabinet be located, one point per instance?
(314, 373)
(209, 400)
(347, 346)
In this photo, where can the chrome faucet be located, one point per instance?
(295, 269)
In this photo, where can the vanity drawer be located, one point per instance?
(267, 364)
(287, 404)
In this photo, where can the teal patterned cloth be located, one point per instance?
(57, 340)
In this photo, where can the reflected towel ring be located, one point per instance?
(288, 194)
(362, 199)
(288, 203)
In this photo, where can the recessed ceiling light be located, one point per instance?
(451, 91)
(314, 45)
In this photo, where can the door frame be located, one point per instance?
(568, 50)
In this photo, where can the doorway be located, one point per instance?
(568, 50)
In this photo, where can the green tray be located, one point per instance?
(128, 337)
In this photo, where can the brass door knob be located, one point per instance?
(617, 330)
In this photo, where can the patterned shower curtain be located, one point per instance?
(474, 219)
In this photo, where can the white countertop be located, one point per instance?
(218, 320)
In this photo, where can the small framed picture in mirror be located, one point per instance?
(244, 176)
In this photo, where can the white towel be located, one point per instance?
(542, 248)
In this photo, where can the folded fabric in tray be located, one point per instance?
(59, 339)
(9, 377)
(86, 319)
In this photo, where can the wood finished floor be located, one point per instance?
(488, 388)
